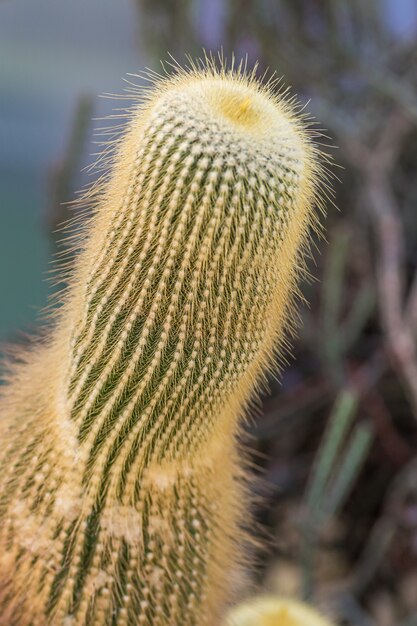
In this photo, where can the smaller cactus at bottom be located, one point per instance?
(271, 611)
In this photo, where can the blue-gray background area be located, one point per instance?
(51, 53)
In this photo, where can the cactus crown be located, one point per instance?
(121, 479)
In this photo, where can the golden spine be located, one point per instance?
(122, 487)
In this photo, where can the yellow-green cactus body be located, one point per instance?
(121, 481)
(271, 611)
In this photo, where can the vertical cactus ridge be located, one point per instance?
(122, 486)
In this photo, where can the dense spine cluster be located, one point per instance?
(122, 492)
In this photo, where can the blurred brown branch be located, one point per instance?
(377, 198)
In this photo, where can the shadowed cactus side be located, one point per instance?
(122, 487)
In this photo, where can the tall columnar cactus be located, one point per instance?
(122, 488)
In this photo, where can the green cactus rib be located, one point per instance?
(122, 485)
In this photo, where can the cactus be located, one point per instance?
(272, 611)
(122, 484)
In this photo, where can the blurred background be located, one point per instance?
(335, 439)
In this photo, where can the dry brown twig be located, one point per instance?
(398, 313)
